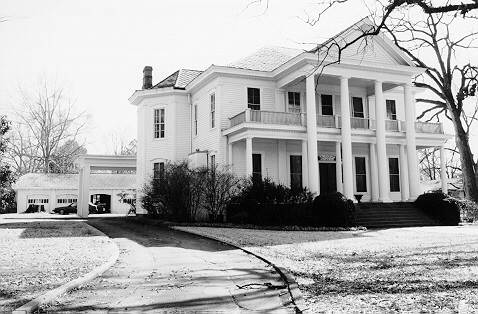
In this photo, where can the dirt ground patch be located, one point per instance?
(39, 255)
(428, 269)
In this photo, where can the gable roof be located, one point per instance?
(266, 59)
(179, 79)
(70, 181)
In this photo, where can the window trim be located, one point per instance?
(247, 97)
(159, 123)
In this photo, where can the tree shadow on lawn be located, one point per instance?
(50, 229)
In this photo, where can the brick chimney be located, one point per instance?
(147, 77)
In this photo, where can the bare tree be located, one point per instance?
(429, 163)
(433, 43)
(47, 119)
(121, 143)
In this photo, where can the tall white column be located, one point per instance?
(346, 139)
(373, 173)
(312, 161)
(305, 166)
(412, 160)
(83, 192)
(404, 189)
(282, 161)
(383, 178)
(338, 167)
(444, 183)
(249, 157)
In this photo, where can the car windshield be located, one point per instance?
(72, 205)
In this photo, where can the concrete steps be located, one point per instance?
(391, 215)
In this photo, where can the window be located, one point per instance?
(360, 174)
(253, 98)
(391, 110)
(327, 105)
(38, 201)
(158, 171)
(294, 102)
(394, 174)
(66, 200)
(213, 110)
(158, 123)
(195, 119)
(256, 167)
(357, 106)
(296, 172)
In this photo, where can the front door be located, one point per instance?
(328, 177)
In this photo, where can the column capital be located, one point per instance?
(343, 77)
(378, 81)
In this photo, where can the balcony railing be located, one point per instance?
(425, 127)
(285, 118)
(359, 123)
(327, 121)
(392, 125)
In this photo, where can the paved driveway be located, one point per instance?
(167, 270)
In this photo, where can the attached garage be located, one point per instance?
(48, 191)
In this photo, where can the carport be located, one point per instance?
(88, 163)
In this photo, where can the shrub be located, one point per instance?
(333, 210)
(468, 210)
(177, 195)
(220, 185)
(264, 202)
(441, 207)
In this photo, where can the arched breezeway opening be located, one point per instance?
(103, 201)
(88, 163)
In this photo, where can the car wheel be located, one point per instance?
(62, 212)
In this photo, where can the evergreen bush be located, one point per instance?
(333, 210)
(443, 208)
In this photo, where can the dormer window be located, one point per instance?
(254, 98)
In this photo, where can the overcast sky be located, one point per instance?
(98, 48)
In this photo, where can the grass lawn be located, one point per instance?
(39, 255)
(418, 270)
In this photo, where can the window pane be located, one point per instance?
(360, 165)
(391, 109)
(256, 166)
(294, 102)
(357, 107)
(361, 183)
(394, 174)
(393, 165)
(296, 172)
(327, 105)
(253, 98)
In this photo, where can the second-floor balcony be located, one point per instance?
(327, 121)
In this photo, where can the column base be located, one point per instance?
(385, 200)
(412, 199)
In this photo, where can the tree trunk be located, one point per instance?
(466, 158)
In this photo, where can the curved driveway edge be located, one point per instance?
(292, 286)
(34, 304)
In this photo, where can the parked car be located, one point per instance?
(71, 209)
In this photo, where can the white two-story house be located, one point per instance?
(280, 113)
